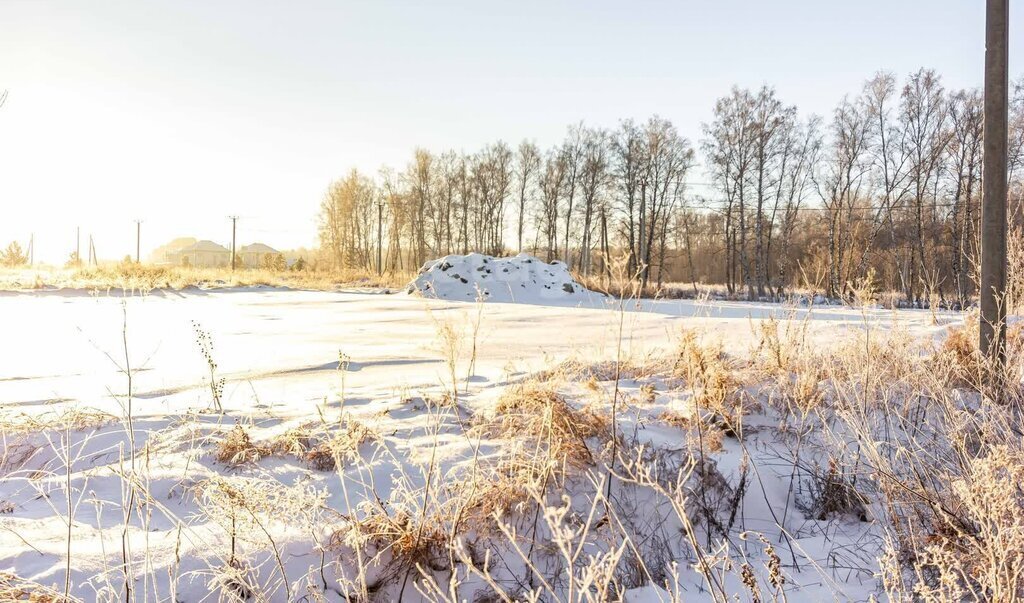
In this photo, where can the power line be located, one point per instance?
(802, 207)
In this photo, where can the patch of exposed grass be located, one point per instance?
(130, 276)
(537, 413)
(13, 588)
(325, 445)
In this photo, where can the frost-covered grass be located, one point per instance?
(146, 277)
(387, 447)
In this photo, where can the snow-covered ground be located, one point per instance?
(280, 355)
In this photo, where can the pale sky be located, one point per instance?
(180, 113)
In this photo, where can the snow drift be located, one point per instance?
(523, 279)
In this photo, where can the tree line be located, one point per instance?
(885, 190)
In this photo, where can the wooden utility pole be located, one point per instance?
(138, 239)
(234, 222)
(380, 236)
(993, 206)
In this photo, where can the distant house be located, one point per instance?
(205, 254)
(168, 254)
(252, 255)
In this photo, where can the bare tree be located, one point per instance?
(346, 222)
(890, 163)
(420, 180)
(923, 113)
(668, 159)
(627, 159)
(527, 166)
(572, 151)
(770, 126)
(729, 152)
(803, 149)
(842, 187)
(964, 175)
(593, 179)
(552, 185)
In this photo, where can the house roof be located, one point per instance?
(204, 245)
(259, 248)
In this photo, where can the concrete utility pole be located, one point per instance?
(234, 221)
(138, 239)
(380, 232)
(31, 248)
(78, 245)
(994, 190)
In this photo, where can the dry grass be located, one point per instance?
(405, 535)
(145, 277)
(13, 588)
(324, 446)
(832, 494)
(537, 413)
(23, 436)
(238, 448)
(66, 418)
(929, 453)
(717, 383)
(970, 368)
(974, 550)
(577, 369)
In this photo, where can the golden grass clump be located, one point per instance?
(407, 535)
(801, 391)
(322, 445)
(717, 385)
(575, 369)
(325, 446)
(536, 412)
(13, 588)
(238, 448)
(781, 344)
(68, 418)
(969, 368)
(696, 362)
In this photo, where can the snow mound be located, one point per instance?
(522, 279)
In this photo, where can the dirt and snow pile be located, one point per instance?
(523, 279)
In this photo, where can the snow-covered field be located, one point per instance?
(275, 525)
